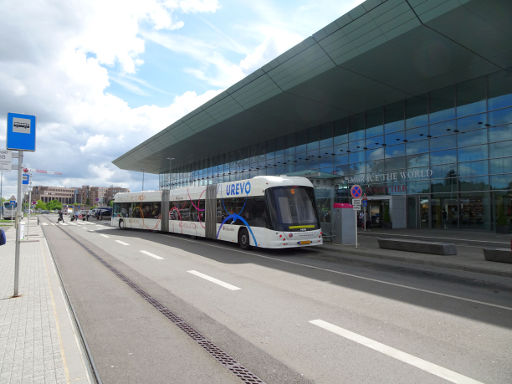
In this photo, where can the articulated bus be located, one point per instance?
(265, 211)
(8, 210)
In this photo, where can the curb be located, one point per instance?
(372, 254)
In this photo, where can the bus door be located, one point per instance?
(164, 222)
(211, 212)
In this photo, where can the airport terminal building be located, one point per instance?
(411, 99)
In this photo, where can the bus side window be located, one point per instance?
(155, 213)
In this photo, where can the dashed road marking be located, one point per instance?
(254, 254)
(397, 354)
(214, 280)
(105, 236)
(152, 255)
(121, 242)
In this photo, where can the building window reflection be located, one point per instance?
(459, 136)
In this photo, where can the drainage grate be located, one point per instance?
(222, 357)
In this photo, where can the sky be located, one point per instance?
(102, 76)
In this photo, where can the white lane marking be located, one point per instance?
(121, 242)
(64, 224)
(102, 234)
(152, 255)
(361, 277)
(45, 223)
(214, 280)
(424, 365)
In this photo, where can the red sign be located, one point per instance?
(356, 191)
(342, 205)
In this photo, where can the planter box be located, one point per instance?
(418, 246)
(502, 229)
(498, 255)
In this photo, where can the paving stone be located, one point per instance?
(30, 350)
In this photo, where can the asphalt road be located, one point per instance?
(287, 317)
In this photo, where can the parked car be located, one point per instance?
(103, 213)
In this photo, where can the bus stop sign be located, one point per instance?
(356, 191)
(21, 132)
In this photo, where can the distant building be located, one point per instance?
(87, 195)
(47, 194)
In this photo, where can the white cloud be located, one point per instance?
(275, 43)
(54, 68)
(195, 6)
(59, 66)
(95, 142)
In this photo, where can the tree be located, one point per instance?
(40, 204)
(54, 204)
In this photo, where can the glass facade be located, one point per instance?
(446, 154)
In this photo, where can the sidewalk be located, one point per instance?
(38, 340)
(469, 256)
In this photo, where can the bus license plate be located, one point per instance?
(305, 242)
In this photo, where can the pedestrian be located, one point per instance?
(445, 218)
(61, 218)
(3, 239)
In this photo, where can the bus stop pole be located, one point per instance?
(18, 233)
(29, 203)
(356, 212)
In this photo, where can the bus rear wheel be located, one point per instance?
(121, 224)
(243, 239)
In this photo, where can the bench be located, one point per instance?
(418, 246)
(499, 255)
(329, 238)
(327, 234)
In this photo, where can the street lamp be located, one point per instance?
(170, 168)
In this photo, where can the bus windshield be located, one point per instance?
(292, 208)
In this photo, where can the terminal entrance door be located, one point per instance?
(378, 212)
(445, 212)
(418, 208)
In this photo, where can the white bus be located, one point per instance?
(265, 211)
(8, 210)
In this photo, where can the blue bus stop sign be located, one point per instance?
(21, 132)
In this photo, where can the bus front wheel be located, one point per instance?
(121, 224)
(243, 239)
